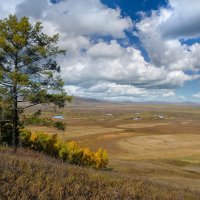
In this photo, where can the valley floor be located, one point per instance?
(160, 142)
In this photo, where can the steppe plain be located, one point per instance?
(158, 141)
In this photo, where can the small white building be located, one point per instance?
(137, 118)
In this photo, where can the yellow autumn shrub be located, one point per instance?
(75, 153)
(101, 158)
(70, 151)
(88, 157)
(39, 141)
(44, 143)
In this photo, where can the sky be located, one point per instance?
(122, 50)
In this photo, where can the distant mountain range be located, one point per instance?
(91, 101)
(85, 101)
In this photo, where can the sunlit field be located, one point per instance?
(160, 142)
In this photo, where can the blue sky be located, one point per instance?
(123, 50)
(131, 8)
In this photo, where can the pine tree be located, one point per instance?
(28, 70)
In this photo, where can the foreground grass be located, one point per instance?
(29, 175)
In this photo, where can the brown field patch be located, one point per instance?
(162, 146)
(142, 125)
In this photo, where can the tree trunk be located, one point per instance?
(15, 119)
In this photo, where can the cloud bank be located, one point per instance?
(102, 63)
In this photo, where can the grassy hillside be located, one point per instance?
(29, 175)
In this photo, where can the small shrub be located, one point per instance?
(60, 125)
(63, 151)
(52, 147)
(88, 158)
(101, 158)
(44, 143)
(75, 154)
(39, 141)
(25, 136)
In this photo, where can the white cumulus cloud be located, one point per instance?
(184, 19)
(197, 95)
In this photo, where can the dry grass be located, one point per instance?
(28, 175)
(175, 146)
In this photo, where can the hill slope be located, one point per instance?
(29, 175)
